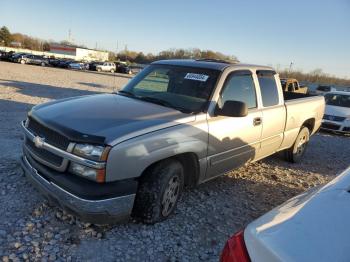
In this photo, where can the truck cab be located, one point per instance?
(292, 85)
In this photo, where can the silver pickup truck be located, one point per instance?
(177, 123)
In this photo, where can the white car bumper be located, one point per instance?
(342, 127)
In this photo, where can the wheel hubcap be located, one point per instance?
(301, 145)
(170, 196)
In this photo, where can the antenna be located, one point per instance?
(70, 37)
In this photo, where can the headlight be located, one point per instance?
(97, 153)
(97, 175)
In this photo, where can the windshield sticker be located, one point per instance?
(196, 77)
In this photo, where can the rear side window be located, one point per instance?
(290, 87)
(239, 86)
(296, 86)
(268, 87)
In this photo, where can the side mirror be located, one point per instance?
(233, 109)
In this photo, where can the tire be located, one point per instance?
(99, 70)
(22, 62)
(295, 153)
(43, 64)
(159, 190)
(112, 70)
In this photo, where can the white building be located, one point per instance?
(80, 54)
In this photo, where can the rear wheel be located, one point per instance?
(112, 70)
(295, 153)
(159, 191)
(23, 62)
(99, 70)
(43, 64)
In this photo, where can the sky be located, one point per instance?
(311, 34)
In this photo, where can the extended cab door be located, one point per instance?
(234, 141)
(273, 112)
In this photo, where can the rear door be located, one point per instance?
(273, 112)
(36, 59)
(234, 141)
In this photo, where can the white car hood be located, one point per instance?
(313, 226)
(337, 111)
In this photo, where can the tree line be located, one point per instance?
(315, 76)
(180, 53)
(28, 42)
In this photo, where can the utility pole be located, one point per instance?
(290, 66)
(116, 50)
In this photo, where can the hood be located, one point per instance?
(106, 118)
(337, 111)
(304, 223)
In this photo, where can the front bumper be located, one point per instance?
(99, 211)
(339, 127)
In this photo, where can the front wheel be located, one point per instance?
(43, 64)
(295, 153)
(23, 62)
(112, 70)
(159, 191)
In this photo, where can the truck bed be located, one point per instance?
(291, 95)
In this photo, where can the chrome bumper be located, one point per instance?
(96, 211)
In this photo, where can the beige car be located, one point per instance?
(106, 67)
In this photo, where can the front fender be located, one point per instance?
(130, 158)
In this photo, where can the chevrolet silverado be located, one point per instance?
(177, 123)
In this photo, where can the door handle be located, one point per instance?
(257, 121)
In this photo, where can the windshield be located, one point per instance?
(338, 100)
(179, 87)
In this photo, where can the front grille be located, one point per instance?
(50, 136)
(334, 118)
(44, 154)
(330, 126)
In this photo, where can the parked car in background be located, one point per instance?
(54, 62)
(16, 57)
(106, 67)
(5, 56)
(292, 85)
(313, 226)
(77, 65)
(323, 89)
(124, 69)
(178, 123)
(337, 113)
(135, 69)
(33, 59)
(92, 65)
(65, 63)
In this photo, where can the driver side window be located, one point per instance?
(239, 86)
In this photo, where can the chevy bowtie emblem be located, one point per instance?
(38, 141)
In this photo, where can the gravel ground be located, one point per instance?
(206, 216)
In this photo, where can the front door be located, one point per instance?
(234, 141)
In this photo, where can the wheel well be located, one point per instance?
(190, 164)
(310, 124)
